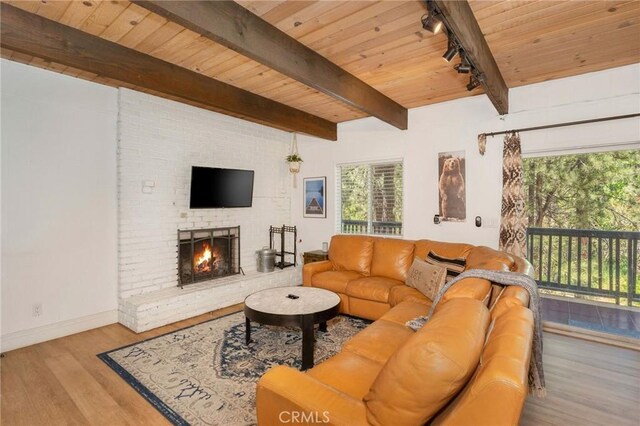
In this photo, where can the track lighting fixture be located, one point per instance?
(464, 67)
(451, 52)
(434, 21)
(430, 21)
(475, 80)
(473, 83)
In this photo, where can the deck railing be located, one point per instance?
(378, 228)
(588, 262)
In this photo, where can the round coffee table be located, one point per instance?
(294, 307)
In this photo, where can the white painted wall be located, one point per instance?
(454, 126)
(58, 204)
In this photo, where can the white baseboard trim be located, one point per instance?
(20, 339)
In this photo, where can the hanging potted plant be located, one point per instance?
(294, 161)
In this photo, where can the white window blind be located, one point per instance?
(370, 198)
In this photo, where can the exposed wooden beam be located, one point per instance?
(31, 34)
(458, 16)
(233, 26)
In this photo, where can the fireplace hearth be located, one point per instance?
(206, 254)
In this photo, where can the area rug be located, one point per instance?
(206, 374)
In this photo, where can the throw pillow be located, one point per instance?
(454, 266)
(428, 279)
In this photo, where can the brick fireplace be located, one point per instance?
(158, 143)
(206, 254)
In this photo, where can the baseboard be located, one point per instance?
(592, 335)
(20, 339)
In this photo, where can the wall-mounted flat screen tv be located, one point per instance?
(213, 188)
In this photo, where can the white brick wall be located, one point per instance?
(159, 140)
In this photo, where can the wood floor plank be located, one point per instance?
(63, 382)
(47, 402)
(15, 397)
(90, 398)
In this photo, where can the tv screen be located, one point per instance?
(213, 188)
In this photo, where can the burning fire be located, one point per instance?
(203, 262)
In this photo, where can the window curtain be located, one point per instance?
(513, 226)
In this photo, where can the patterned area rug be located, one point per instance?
(206, 374)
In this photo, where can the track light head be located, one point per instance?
(431, 20)
(464, 67)
(431, 23)
(473, 83)
(451, 52)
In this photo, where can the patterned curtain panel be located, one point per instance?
(513, 226)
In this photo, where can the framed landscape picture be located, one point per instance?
(315, 194)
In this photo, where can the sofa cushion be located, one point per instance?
(378, 341)
(423, 247)
(487, 258)
(453, 265)
(347, 372)
(351, 253)
(431, 367)
(510, 297)
(335, 281)
(403, 293)
(391, 258)
(372, 288)
(474, 288)
(406, 311)
(368, 309)
(427, 278)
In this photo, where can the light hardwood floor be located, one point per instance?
(63, 382)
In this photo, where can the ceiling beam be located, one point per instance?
(31, 34)
(458, 16)
(236, 28)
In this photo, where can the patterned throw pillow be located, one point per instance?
(426, 278)
(454, 266)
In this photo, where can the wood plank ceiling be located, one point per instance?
(380, 42)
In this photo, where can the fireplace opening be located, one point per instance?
(206, 254)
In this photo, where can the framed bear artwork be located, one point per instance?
(452, 198)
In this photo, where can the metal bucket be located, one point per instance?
(265, 260)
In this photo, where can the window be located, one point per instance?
(583, 216)
(370, 198)
(598, 190)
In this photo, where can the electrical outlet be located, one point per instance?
(37, 309)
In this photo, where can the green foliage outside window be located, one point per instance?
(371, 198)
(584, 191)
(596, 191)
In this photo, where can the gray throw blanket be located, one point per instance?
(536, 373)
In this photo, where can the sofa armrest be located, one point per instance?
(285, 395)
(310, 269)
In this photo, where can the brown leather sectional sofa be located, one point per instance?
(467, 366)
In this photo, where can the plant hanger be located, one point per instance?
(294, 158)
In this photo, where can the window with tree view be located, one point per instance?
(370, 198)
(583, 215)
(585, 191)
